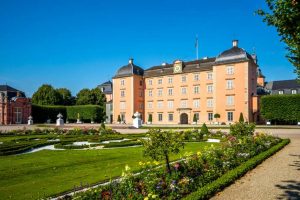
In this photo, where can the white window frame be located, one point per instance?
(170, 80)
(160, 104)
(196, 89)
(196, 77)
(210, 88)
(184, 90)
(122, 93)
(122, 105)
(150, 81)
(159, 81)
(229, 100)
(210, 103)
(150, 93)
(171, 104)
(229, 70)
(160, 117)
(229, 84)
(229, 116)
(294, 91)
(209, 76)
(150, 105)
(210, 116)
(170, 91)
(170, 114)
(122, 82)
(280, 92)
(183, 104)
(159, 92)
(183, 79)
(196, 103)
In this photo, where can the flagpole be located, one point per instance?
(197, 47)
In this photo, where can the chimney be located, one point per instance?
(131, 61)
(235, 43)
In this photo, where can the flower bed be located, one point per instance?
(193, 171)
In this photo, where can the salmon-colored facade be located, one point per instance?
(210, 90)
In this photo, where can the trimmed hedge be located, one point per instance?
(210, 189)
(281, 108)
(86, 113)
(41, 114)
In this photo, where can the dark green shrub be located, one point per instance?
(195, 118)
(242, 129)
(119, 118)
(150, 118)
(86, 112)
(41, 114)
(204, 130)
(241, 119)
(281, 108)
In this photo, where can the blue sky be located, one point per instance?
(81, 43)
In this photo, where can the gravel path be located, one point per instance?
(276, 178)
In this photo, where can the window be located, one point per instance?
(122, 105)
(196, 89)
(160, 117)
(159, 92)
(229, 84)
(141, 82)
(229, 70)
(170, 117)
(197, 116)
(209, 76)
(141, 106)
(294, 91)
(160, 104)
(229, 100)
(170, 104)
(183, 79)
(150, 82)
(196, 77)
(170, 91)
(209, 88)
(122, 93)
(209, 103)
(183, 103)
(122, 82)
(210, 116)
(150, 105)
(150, 93)
(18, 115)
(141, 93)
(183, 90)
(196, 103)
(280, 92)
(170, 80)
(159, 81)
(230, 116)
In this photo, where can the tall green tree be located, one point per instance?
(94, 97)
(84, 97)
(66, 96)
(46, 95)
(284, 15)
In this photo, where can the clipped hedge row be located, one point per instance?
(87, 113)
(41, 114)
(281, 108)
(210, 189)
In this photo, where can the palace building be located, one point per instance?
(182, 91)
(15, 108)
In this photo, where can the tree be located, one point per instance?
(204, 130)
(284, 16)
(217, 116)
(150, 118)
(119, 119)
(66, 96)
(46, 95)
(160, 144)
(84, 97)
(195, 118)
(241, 119)
(92, 97)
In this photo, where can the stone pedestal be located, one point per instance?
(30, 121)
(59, 121)
(137, 122)
(268, 123)
(298, 123)
(78, 121)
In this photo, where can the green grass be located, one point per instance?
(46, 173)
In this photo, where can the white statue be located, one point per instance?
(59, 121)
(137, 122)
(30, 121)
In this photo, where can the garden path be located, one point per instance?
(276, 178)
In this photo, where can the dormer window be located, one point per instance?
(294, 91)
(280, 92)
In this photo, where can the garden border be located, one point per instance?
(231, 176)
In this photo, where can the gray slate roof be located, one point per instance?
(235, 54)
(129, 70)
(10, 92)
(284, 84)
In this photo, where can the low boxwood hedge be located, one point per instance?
(210, 189)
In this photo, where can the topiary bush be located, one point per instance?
(204, 130)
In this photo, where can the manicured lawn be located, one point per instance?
(45, 173)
